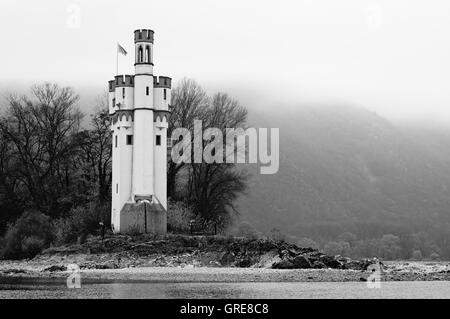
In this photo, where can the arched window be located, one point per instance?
(140, 54)
(147, 53)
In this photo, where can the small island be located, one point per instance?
(184, 258)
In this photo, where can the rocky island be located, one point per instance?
(209, 258)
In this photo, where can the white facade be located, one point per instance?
(139, 106)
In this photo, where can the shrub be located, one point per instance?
(84, 219)
(29, 235)
(80, 222)
(33, 245)
(64, 232)
(178, 217)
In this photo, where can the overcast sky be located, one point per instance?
(390, 56)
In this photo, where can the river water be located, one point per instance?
(57, 288)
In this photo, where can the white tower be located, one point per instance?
(139, 106)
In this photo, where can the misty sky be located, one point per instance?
(390, 56)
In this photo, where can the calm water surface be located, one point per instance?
(56, 288)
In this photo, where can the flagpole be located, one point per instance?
(117, 60)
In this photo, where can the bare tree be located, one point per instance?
(10, 207)
(209, 188)
(225, 112)
(96, 151)
(189, 102)
(40, 130)
(213, 187)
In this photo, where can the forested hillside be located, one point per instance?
(354, 181)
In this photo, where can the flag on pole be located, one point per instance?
(120, 49)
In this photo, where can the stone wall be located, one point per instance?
(134, 215)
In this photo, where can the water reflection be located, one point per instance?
(56, 288)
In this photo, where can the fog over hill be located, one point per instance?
(344, 168)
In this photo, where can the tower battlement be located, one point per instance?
(124, 80)
(162, 82)
(144, 35)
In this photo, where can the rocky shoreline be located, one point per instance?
(204, 258)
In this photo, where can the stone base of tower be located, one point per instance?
(142, 218)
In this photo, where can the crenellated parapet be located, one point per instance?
(162, 82)
(144, 35)
(124, 80)
(121, 81)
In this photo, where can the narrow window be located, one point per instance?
(165, 94)
(158, 139)
(117, 188)
(147, 53)
(114, 102)
(123, 92)
(147, 90)
(115, 141)
(140, 53)
(129, 139)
